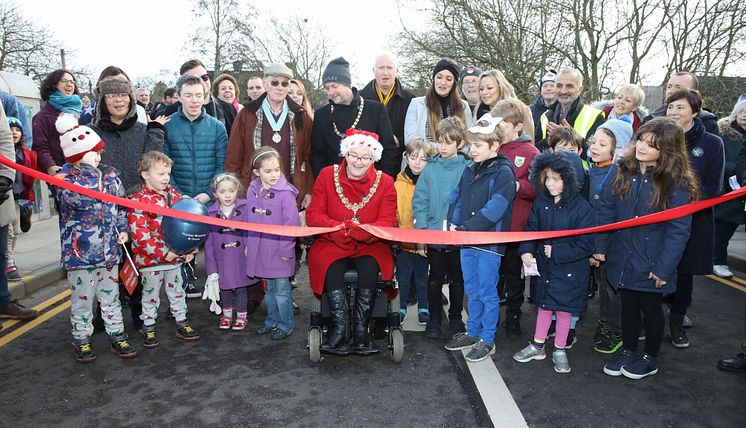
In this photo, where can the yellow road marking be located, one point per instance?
(739, 280)
(41, 306)
(726, 282)
(33, 324)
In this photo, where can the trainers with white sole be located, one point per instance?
(722, 271)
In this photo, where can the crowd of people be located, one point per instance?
(469, 155)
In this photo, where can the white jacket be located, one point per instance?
(416, 120)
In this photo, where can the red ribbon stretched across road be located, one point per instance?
(388, 233)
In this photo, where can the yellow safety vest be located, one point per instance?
(583, 123)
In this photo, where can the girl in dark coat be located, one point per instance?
(707, 159)
(641, 262)
(560, 288)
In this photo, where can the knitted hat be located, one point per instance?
(13, 122)
(357, 137)
(114, 85)
(469, 71)
(622, 130)
(337, 71)
(446, 64)
(549, 76)
(279, 70)
(76, 140)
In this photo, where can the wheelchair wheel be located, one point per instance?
(396, 345)
(314, 341)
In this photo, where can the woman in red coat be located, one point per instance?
(351, 192)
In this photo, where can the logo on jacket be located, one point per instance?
(519, 161)
(698, 152)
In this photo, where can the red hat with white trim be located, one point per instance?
(359, 138)
(76, 140)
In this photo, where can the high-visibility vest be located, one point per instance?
(583, 123)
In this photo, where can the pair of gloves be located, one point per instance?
(212, 292)
(350, 236)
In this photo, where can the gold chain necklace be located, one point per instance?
(354, 124)
(346, 202)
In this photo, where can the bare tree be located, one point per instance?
(224, 23)
(25, 47)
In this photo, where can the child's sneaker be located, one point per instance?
(423, 316)
(186, 332)
(12, 270)
(121, 347)
(530, 352)
(641, 366)
(149, 339)
(561, 363)
(239, 323)
(225, 323)
(614, 366)
(265, 329)
(611, 343)
(460, 342)
(480, 351)
(84, 353)
(280, 334)
(402, 315)
(433, 331)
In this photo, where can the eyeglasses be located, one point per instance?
(67, 82)
(284, 83)
(189, 97)
(416, 158)
(121, 96)
(354, 158)
(205, 77)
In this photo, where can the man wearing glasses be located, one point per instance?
(348, 110)
(216, 108)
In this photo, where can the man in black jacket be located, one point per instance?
(387, 89)
(685, 80)
(347, 109)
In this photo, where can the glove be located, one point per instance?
(6, 184)
(212, 292)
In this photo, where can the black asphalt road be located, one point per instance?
(240, 379)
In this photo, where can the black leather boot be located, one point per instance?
(337, 341)
(362, 344)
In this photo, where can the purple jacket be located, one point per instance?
(271, 256)
(46, 138)
(224, 249)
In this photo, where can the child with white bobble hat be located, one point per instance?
(91, 233)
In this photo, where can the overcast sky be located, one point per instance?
(144, 36)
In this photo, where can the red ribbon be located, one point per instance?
(387, 233)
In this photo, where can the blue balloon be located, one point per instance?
(184, 236)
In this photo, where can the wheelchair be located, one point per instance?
(384, 311)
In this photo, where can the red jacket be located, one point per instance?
(521, 153)
(148, 247)
(327, 210)
(29, 160)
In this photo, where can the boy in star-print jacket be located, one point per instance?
(152, 256)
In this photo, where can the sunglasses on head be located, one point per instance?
(284, 83)
(205, 77)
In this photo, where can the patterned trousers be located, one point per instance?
(151, 290)
(102, 284)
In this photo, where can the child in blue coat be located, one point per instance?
(560, 288)
(482, 202)
(641, 262)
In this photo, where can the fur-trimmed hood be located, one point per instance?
(725, 125)
(609, 104)
(559, 162)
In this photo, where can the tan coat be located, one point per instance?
(7, 209)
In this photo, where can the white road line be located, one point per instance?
(497, 399)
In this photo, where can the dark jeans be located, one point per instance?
(682, 298)
(515, 286)
(635, 304)
(5, 297)
(610, 303)
(445, 264)
(412, 268)
(367, 273)
(723, 232)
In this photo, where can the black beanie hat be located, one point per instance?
(337, 71)
(446, 64)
